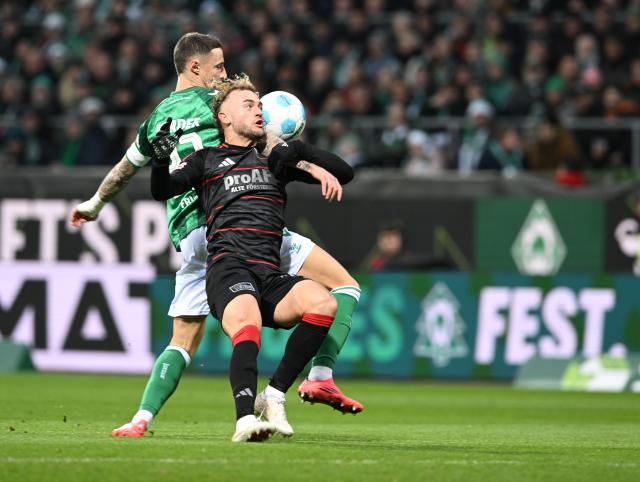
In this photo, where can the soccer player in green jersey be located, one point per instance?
(199, 61)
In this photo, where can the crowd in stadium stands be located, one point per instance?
(516, 71)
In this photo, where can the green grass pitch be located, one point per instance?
(56, 428)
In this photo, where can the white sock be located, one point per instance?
(145, 415)
(273, 393)
(320, 373)
(243, 422)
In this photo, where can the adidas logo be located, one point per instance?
(245, 393)
(227, 162)
(329, 390)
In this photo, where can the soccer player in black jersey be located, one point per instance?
(243, 194)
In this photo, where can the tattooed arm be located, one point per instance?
(116, 180)
(300, 161)
(111, 185)
(313, 173)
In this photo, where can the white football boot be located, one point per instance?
(250, 429)
(271, 407)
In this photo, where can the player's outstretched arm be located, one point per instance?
(300, 161)
(113, 183)
(286, 156)
(329, 161)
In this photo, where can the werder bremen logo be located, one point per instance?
(440, 327)
(539, 248)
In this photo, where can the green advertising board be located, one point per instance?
(539, 237)
(455, 325)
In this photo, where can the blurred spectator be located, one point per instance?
(424, 157)
(86, 142)
(72, 146)
(586, 51)
(390, 252)
(57, 55)
(338, 138)
(614, 62)
(29, 143)
(378, 56)
(571, 174)
(42, 97)
(504, 152)
(632, 89)
(393, 142)
(12, 97)
(615, 105)
(500, 87)
(476, 135)
(564, 38)
(389, 248)
(553, 145)
(319, 84)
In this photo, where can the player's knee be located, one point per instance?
(353, 282)
(325, 304)
(344, 280)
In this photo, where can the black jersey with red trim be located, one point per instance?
(243, 200)
(243, 193)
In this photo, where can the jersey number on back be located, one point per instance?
(192, 138)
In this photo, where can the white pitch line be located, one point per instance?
(253, 460)
(93, 460)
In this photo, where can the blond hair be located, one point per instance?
(223, 87)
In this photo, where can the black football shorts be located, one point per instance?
(230, 277)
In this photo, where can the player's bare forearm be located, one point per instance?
(111, 185)
(116, 180)
(331, 188)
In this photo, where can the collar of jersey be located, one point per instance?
(239, 148)
(182, 91)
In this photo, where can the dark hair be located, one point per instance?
(392, 225)
(501, 130)
(190, 45)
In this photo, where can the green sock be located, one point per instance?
(347, 298)
(164, 378)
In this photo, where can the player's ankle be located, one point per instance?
(320, 372)
(272, 392)
(245, 421)
(141, 415)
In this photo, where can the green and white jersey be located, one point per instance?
(190, 110)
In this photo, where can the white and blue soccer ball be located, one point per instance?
(283, 114)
